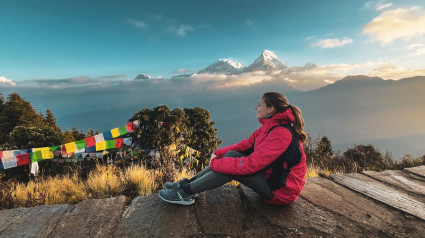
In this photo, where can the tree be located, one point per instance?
(78, 135)
(161, 127)
(90, 132)
(31, 137)
(324, 147)
(366, 156)
(17, 112)
(68, 136)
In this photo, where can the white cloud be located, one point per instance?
(405, 24)
(382, 6)
(388, 71)
(332, 43)
(181, 30)
(138, 24)
(180, 71)
(4, 80)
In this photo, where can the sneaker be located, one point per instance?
(176, 195)
(171, 185)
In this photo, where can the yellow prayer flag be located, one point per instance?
(46, 153)
(115, 133)
(70, 147)
(101, 146)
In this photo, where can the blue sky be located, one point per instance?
(69, 39)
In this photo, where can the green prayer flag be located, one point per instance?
(81, 144)
(110, 144)
(36, 156)
(123, 130)
(53, 148)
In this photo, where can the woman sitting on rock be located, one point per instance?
(271, 161)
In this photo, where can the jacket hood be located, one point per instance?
(286, 117)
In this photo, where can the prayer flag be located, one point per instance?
(107, 135)
(23, 159)
(36, 156)
(53, 148)
(99, 155)
(127, 141)
(115, 133)
(119, 142)
(130, 127)
(110, 144)
(91, 149)
(1, 154)
(56, 153)
(100, 145)
(70, 147)
(136, 123)
(81, 144)
(46, 153)
(123, 130)
(90, 141)
(1, 164)
(99, 138)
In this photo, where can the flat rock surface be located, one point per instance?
(92, 218)
(420, 170)
(372, 204)
(383, 193)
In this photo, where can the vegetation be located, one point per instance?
(160, 128)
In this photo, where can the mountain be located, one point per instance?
(223, 66)
(142, 77)
(308, 66)
(268, 61)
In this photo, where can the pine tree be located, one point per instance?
(68, 136)
(90, 132)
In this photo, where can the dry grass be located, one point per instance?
(104, 182)
(141, 178)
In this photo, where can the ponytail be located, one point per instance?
(281, 103)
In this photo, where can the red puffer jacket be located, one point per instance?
(267, 148)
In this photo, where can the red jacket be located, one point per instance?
(267, 148)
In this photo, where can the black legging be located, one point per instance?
(207, 180)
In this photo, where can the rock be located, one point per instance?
(92, 218)
(149, 216)
(39, 221)
(220, 211)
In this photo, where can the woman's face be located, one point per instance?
(262, 110)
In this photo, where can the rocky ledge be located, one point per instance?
(371, 204)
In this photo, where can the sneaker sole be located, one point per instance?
(181, 202)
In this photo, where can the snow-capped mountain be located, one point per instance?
(308, 66)
(223, 66)
(268, 61)
(142, 77)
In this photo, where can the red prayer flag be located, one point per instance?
(130, 127)
(1, 154)
(90, 141)
(23, 159)
(119, 142)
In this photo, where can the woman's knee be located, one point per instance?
(233, 153)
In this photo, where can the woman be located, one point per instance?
(271, 161)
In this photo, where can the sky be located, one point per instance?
(92, 40)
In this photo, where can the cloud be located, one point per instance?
(180, 71)
(382, 6)
(138, 24)
(181, 30)
(4, 80)
(80, 81)
(405, 24)
(388, 71)
(332, 43)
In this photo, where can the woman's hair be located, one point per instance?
(281, 103)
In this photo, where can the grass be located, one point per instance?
(102, 182)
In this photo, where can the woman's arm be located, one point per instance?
(270, 149)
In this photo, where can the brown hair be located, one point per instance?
(281, 103)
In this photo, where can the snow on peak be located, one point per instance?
(223, 66)
(268, 61)
(142, 76)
